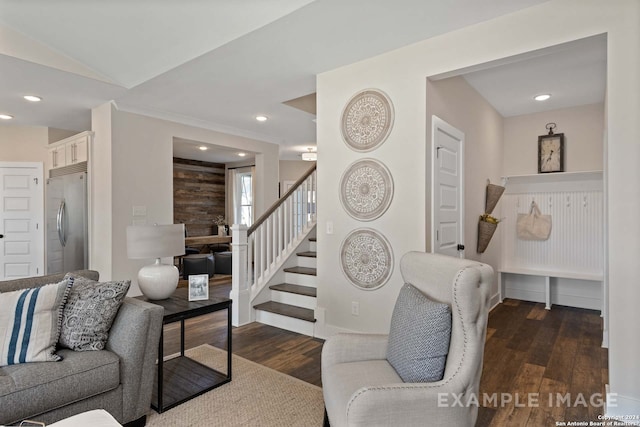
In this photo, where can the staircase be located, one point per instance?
(293, 302)
(274, 263)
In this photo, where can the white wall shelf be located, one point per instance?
(554, 177)
(553, 182)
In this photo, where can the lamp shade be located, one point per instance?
(155, 241)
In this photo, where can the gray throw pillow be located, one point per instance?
(419, 336)
(89, 313)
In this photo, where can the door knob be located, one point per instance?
(461, 247)
(1, 236)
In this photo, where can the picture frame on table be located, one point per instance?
(198, 287)
(551, 153)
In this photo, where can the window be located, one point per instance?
(244, 199)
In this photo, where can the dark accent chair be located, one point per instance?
(189, 250)
(198, 264)
(223, 262)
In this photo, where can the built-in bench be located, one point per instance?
(547, 275)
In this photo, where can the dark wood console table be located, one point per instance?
(181, 378)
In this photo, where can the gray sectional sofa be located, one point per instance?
(118, 379)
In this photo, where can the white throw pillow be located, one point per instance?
(30, 321)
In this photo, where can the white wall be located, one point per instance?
(583, 129)
(141, 174)
(56, 134)
(292, 170)
(460, 105)
(403, 224)
(23, 143)
(101, 220)
(402, 75)
(623, 176)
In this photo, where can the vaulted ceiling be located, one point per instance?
(219, 63)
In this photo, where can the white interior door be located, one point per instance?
(21, 220)
(447, 191)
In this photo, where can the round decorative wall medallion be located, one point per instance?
(366, 258)
(367, 120)
(366, 189)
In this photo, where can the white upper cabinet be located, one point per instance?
(56, 157)
(69, 151)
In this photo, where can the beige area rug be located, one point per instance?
(256, 396)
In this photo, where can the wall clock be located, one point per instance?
(551, 153)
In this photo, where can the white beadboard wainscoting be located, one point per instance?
(566, 269)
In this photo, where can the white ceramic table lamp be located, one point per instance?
(156, 281)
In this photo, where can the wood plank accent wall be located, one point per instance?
(198, 195)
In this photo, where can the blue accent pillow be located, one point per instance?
(419, 336)
(30, 321)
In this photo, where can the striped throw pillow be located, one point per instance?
(30, 321)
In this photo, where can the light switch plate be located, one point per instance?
(139, 211)
(355, 308)
(329, 227)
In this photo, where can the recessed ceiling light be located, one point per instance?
(32, 98)
(5, 117)
(203, 148)
(242, 154)
(542, 97)
(262, 118)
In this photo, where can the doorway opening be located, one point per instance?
(494, 105)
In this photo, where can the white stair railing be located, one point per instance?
(260, 250)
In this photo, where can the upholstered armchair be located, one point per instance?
(361, 387)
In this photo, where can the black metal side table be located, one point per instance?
(181, 378)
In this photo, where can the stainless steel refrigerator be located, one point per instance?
(66, 217)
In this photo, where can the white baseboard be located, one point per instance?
(619, 406)
(323, 329)
(524, 295)
(495, 300)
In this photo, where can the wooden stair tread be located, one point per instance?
(301, 270)
(287, 310)
(295, 289)
(309, 254)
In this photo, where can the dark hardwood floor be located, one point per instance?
(531, 353)
(288, 352)
(552, 356)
